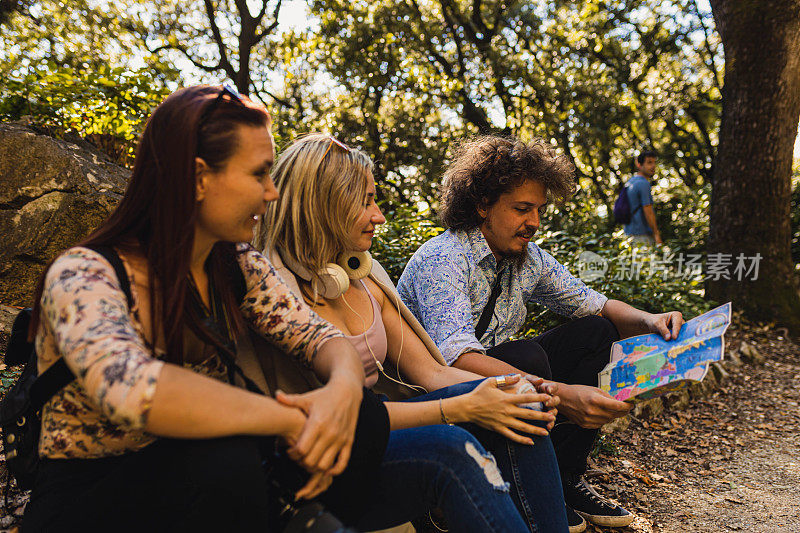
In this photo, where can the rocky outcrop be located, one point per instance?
(52, 194)
(7, 316)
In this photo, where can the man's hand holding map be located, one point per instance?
(647, 366)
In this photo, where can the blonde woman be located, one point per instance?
(317, 235)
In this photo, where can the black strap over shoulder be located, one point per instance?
(112, 257)
(58, 375)
(239, 283)
(488, 311)
(235, 275)
(52, 380)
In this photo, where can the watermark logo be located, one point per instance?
(635, 266)
(591, 266)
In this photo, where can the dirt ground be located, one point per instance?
(728, 462)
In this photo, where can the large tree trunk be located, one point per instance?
(750, 200)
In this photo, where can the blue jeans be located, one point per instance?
(532, 471)
(444, 467)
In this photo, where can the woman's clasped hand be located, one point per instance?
(331, 412)
(499, 408)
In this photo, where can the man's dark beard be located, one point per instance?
(516, 259)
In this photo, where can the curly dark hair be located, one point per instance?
(486, 167)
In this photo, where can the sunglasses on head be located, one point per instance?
(338, 143)
(225, 89)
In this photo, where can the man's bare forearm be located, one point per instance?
(650, 218)
(484, 365)
(628, 320)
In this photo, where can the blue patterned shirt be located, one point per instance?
(447, 284)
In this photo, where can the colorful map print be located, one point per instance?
(648, 366)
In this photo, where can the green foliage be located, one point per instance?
(406, 230)
(652, 279)
(106, 105)
(8, 376)
(406, 80)
(601, 79)
(72, 33)
(604, 445)
(66, 67)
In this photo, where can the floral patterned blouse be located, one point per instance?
(86, 320)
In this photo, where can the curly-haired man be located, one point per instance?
(469, 286)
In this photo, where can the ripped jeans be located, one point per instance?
(444, 467)
(532, 471)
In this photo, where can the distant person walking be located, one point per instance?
(642, 226)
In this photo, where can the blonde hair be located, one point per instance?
(322, 188)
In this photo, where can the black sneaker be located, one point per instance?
(576, 522)
(590, 505)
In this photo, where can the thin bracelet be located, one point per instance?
(441, 411)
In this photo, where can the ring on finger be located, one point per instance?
(501, 381)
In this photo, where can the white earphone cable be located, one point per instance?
(399, 381)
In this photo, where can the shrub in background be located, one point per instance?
(105, 106)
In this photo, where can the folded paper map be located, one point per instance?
(647, 366)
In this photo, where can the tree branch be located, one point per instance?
(448, 18)
(472, 113)
(476, 18)
(711, 54)
(224, 62)
(271, 27)
(703, 131)
(185, 52)
(244, 12)
(281, 101)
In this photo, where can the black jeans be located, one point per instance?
(224, 484)
(573, 353)
(171, 485)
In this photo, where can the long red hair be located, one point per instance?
(158, 212)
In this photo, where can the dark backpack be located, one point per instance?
(20, 409)
(622, 207)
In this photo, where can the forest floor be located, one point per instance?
(729, 461)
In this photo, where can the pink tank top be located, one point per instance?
(375, 335)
